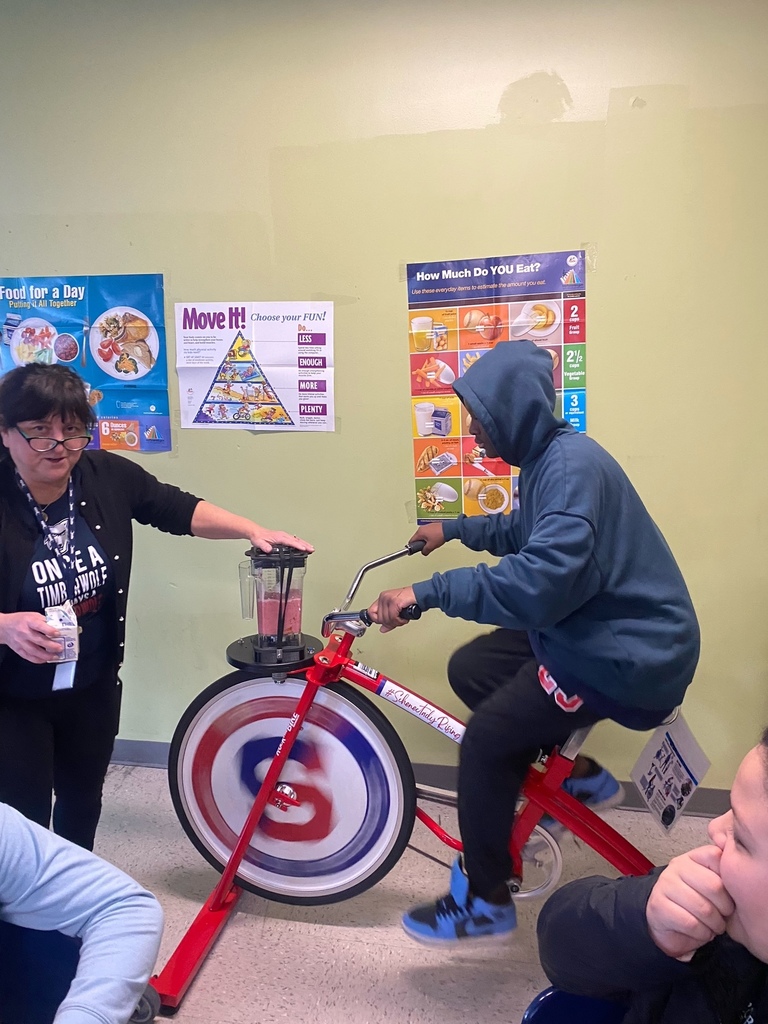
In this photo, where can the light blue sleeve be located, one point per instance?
(48, 884)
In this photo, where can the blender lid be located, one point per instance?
(280, 555)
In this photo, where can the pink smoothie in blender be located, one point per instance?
(268, 615)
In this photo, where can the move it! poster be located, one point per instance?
(255, 365)
(458, 311)
(111, 331)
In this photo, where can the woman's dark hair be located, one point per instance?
(35, 391)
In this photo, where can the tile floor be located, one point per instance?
(347, 963)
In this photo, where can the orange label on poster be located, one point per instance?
(119, 435)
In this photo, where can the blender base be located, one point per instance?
(247, 655)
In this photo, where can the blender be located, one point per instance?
(272, 585)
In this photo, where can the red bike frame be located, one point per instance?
(541, 795)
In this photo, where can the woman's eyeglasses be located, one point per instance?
(47, 444)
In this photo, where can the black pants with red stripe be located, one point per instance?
(62, 745)
(513, 719)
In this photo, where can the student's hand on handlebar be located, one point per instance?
(264, 539)
(386, 608)
(432, 535)
(689, 905)
(30, 636)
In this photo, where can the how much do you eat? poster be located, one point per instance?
(255, 365)
(458, 311)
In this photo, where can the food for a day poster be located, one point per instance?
(458, 311)
(255, 365)
(111, 331)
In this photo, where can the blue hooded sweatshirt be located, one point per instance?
(583, 568)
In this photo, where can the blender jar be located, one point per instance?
(274, 583)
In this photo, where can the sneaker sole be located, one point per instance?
(473, 940)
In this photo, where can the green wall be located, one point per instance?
(308, 149)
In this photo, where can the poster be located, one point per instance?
(109, 330)
(670, 767)
(458, 311)
(264, 365)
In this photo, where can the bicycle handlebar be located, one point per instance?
(411, 548)
(414, 546)
(412, 612)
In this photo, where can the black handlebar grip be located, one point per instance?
(411, 611)
(414, 546)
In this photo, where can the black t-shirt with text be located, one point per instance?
(93, 594)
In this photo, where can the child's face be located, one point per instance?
(742, 835)
(479, 434)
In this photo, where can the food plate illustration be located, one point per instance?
(33, 342)
(493, 499)
(124, 343)
(537, 319)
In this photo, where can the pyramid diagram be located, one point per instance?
(240, 393)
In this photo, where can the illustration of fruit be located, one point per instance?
(490, 328)
(545, 316)
(472, 318)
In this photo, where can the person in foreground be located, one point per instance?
(66, 518)
(687, 944)
(596, 622)
(48, 884)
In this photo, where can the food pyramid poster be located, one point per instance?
(240, 392)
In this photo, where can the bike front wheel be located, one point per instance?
(351, 795)
(542, 866)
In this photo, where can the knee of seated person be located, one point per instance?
(486, 739)
(461, 666)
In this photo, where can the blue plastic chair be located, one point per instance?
(555, 1007)
(36, 970)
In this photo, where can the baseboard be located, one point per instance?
(143, 753)
(705, 802)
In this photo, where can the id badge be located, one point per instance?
(64, 620)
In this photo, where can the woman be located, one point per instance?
(684, 945)
(66, 533)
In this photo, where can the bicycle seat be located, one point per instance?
(578, 737)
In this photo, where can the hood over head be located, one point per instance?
(511, 392)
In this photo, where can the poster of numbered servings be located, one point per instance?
(110, 330)
(458, 311)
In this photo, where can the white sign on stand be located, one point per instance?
(670, 767)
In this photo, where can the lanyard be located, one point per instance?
(64, 554)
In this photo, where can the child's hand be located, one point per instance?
(387, 606)
(688, 906)
(432, 534)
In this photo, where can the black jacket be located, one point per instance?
(111, 492)
(594, 941)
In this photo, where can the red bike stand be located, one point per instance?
(190, 954)
(174, 980)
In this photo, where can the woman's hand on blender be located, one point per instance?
(432, 535)
(387, 607)
(265, 539)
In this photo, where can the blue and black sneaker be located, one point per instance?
(459, 916)
(599, 791)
